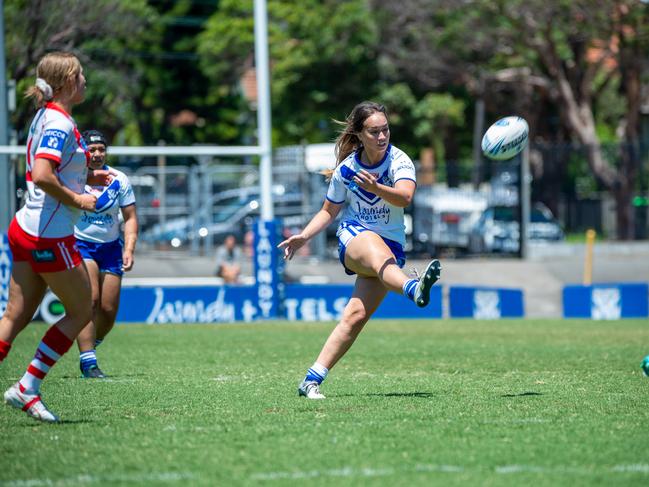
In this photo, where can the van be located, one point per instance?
(444, 217)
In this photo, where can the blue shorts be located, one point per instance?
(349, 229)
(108, 256)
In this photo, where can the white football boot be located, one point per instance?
(30, 403)
(310, 390)
(426, 281)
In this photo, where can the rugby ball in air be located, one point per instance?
(505, 138)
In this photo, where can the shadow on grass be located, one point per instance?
(108, 376)
(522, 394)
(62, 422)
(391, 394)
(75, 421)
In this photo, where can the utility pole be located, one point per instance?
(524, 198)
(7, 192)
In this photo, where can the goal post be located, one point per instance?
(262, 150)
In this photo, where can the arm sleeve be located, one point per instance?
(53, 140)
(126, 195)
(337, 192)
(403, 168)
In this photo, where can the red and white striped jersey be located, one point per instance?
(53, 135)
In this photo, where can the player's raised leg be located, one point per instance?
(421, 293)
(368, 254)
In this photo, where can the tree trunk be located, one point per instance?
(577, 103)
(619, 182)
(624, 217)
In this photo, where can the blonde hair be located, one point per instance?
(348, 140)
(53, 75)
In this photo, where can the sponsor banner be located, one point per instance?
(318, 302)
(485, 302)
(606, 301)
(187, 304)
(268, 264)
(5, 272)
(50, 310)
(228, 304)
(225, 304)
(397, 306)
(322, 302)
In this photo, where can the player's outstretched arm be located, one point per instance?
(319, 222)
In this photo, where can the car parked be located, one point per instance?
(231, 211)
(497, 229)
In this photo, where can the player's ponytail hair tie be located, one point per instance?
(45, 88)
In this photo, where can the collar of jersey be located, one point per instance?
(357, 157)
(77, 134)
(53, 106)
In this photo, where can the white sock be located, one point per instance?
(317, 372)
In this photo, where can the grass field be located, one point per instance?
(413, 403)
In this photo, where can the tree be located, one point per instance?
(430, 118)
(322, 56)
(569, 51)
(102, 33)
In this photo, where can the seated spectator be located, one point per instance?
(228, 260)
(248, 244)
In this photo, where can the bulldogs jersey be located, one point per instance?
(53, 135)
(368, 209)
(102, 225)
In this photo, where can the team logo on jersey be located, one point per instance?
(348, 179)
(373, 214)
(53, 139)
(44, 255)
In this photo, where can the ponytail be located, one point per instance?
(53, 75)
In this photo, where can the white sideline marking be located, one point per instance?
(512, 469)
(341, 472)
(632, 468)
(354, 472)
(83, 479)
(450, 469)
(439, 468)
(516, 421)
(224, 378)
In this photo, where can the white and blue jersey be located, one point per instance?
(102, 225)
(366, 209)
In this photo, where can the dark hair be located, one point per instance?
(348, 141)
(94, 137)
